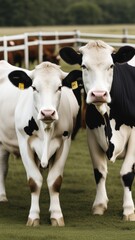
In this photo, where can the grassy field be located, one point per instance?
(78, 188)
(111, 29)
(77, 195)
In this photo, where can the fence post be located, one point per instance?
(40, 47)
(57, 46)
(26, 51)
(77, 36)
(125, 35)
(5, 48)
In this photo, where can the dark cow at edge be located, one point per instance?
(109, 82)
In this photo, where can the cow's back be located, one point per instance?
(9, 96)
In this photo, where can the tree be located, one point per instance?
(84, 13)
(63, 12)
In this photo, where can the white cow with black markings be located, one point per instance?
(109, 83)
(45, 114)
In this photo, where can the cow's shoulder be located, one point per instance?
(123, 95)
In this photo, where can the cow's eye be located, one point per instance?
(83, 66)
(112, 66)
(34, 88)
(59, 88)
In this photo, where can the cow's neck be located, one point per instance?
(48, 132)
(103, 108)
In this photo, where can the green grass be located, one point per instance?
(112, 29)
(78, 188)
(77, 195)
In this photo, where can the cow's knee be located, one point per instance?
(128, 177)
(128, 204)
(35, 184)
(101, 199)
(98, 175)
(54, 185)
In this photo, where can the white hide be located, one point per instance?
(97, 69)
(17, 108)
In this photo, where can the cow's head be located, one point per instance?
(97, 60)
(46, 83)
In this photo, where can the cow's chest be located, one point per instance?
(103, 133)
(116, 146)
(46, 144)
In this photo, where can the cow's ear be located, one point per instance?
(20, 79)
(124, 54)
(70, 56)
(73, 79)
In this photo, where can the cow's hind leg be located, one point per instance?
(4, 155)
(127, 181)
(54, 182)
(128, 204)
(127, 175)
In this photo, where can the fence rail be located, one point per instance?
(76, 38)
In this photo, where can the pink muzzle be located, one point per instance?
(99, 96)
(48, 115)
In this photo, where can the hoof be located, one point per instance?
(32, 222)
(3, 198)
(129, 218)
(99, 209)
(57, 222)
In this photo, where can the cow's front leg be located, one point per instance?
(4, 155)
(99, 162)
(35, 184)
(35, 180)
(54, 182)
(101, 199)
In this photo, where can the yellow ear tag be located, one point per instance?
(74, 85)
(21, 86)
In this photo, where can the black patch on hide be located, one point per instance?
(31, 127)
(93, 118)
(98, 175)
(128, 179)
(123, 95)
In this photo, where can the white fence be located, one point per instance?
(74, 38)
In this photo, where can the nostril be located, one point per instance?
(43, 113)
(99, 94)
(48, 113)
(53, 113)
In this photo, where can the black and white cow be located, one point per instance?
(37, 123)
(110, 115)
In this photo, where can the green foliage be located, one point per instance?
(65, 12)
(84, 13)
(77, 196)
